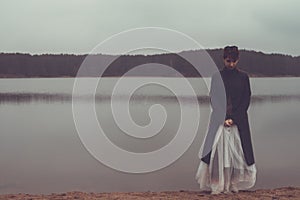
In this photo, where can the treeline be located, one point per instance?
(65, 65)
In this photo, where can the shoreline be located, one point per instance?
(49, 77)
(277, 193)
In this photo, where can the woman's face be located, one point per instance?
(231, 64)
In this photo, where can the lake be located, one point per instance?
(41, 151)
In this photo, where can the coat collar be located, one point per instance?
(229, 71)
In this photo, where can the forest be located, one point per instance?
(256, 64)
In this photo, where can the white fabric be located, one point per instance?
(228, 168)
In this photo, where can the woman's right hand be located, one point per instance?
(228, 122)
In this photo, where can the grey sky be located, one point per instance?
(77, 26)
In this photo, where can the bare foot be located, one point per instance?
(234, 189)
(227, 192)
(215, 192)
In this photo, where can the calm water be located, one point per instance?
(40, 150)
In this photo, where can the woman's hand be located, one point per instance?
(228, 122)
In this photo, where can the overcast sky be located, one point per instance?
(77, 26)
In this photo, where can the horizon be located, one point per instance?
(139, 54)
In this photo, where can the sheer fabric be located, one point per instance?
(228, 169)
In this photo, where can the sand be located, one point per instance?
(273, 194)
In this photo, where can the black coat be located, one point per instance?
(238, 94)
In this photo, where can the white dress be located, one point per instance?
(228, 169)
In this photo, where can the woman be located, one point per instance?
(227, 161)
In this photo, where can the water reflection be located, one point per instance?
(23, 98)
(19, 98)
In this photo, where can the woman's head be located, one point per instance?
(231, 56)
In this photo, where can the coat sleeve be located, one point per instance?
(217, 94)
(242, 108)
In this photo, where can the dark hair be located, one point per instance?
(231, 52)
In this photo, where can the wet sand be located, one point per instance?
(273, 194)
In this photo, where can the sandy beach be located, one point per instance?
(273, 194)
